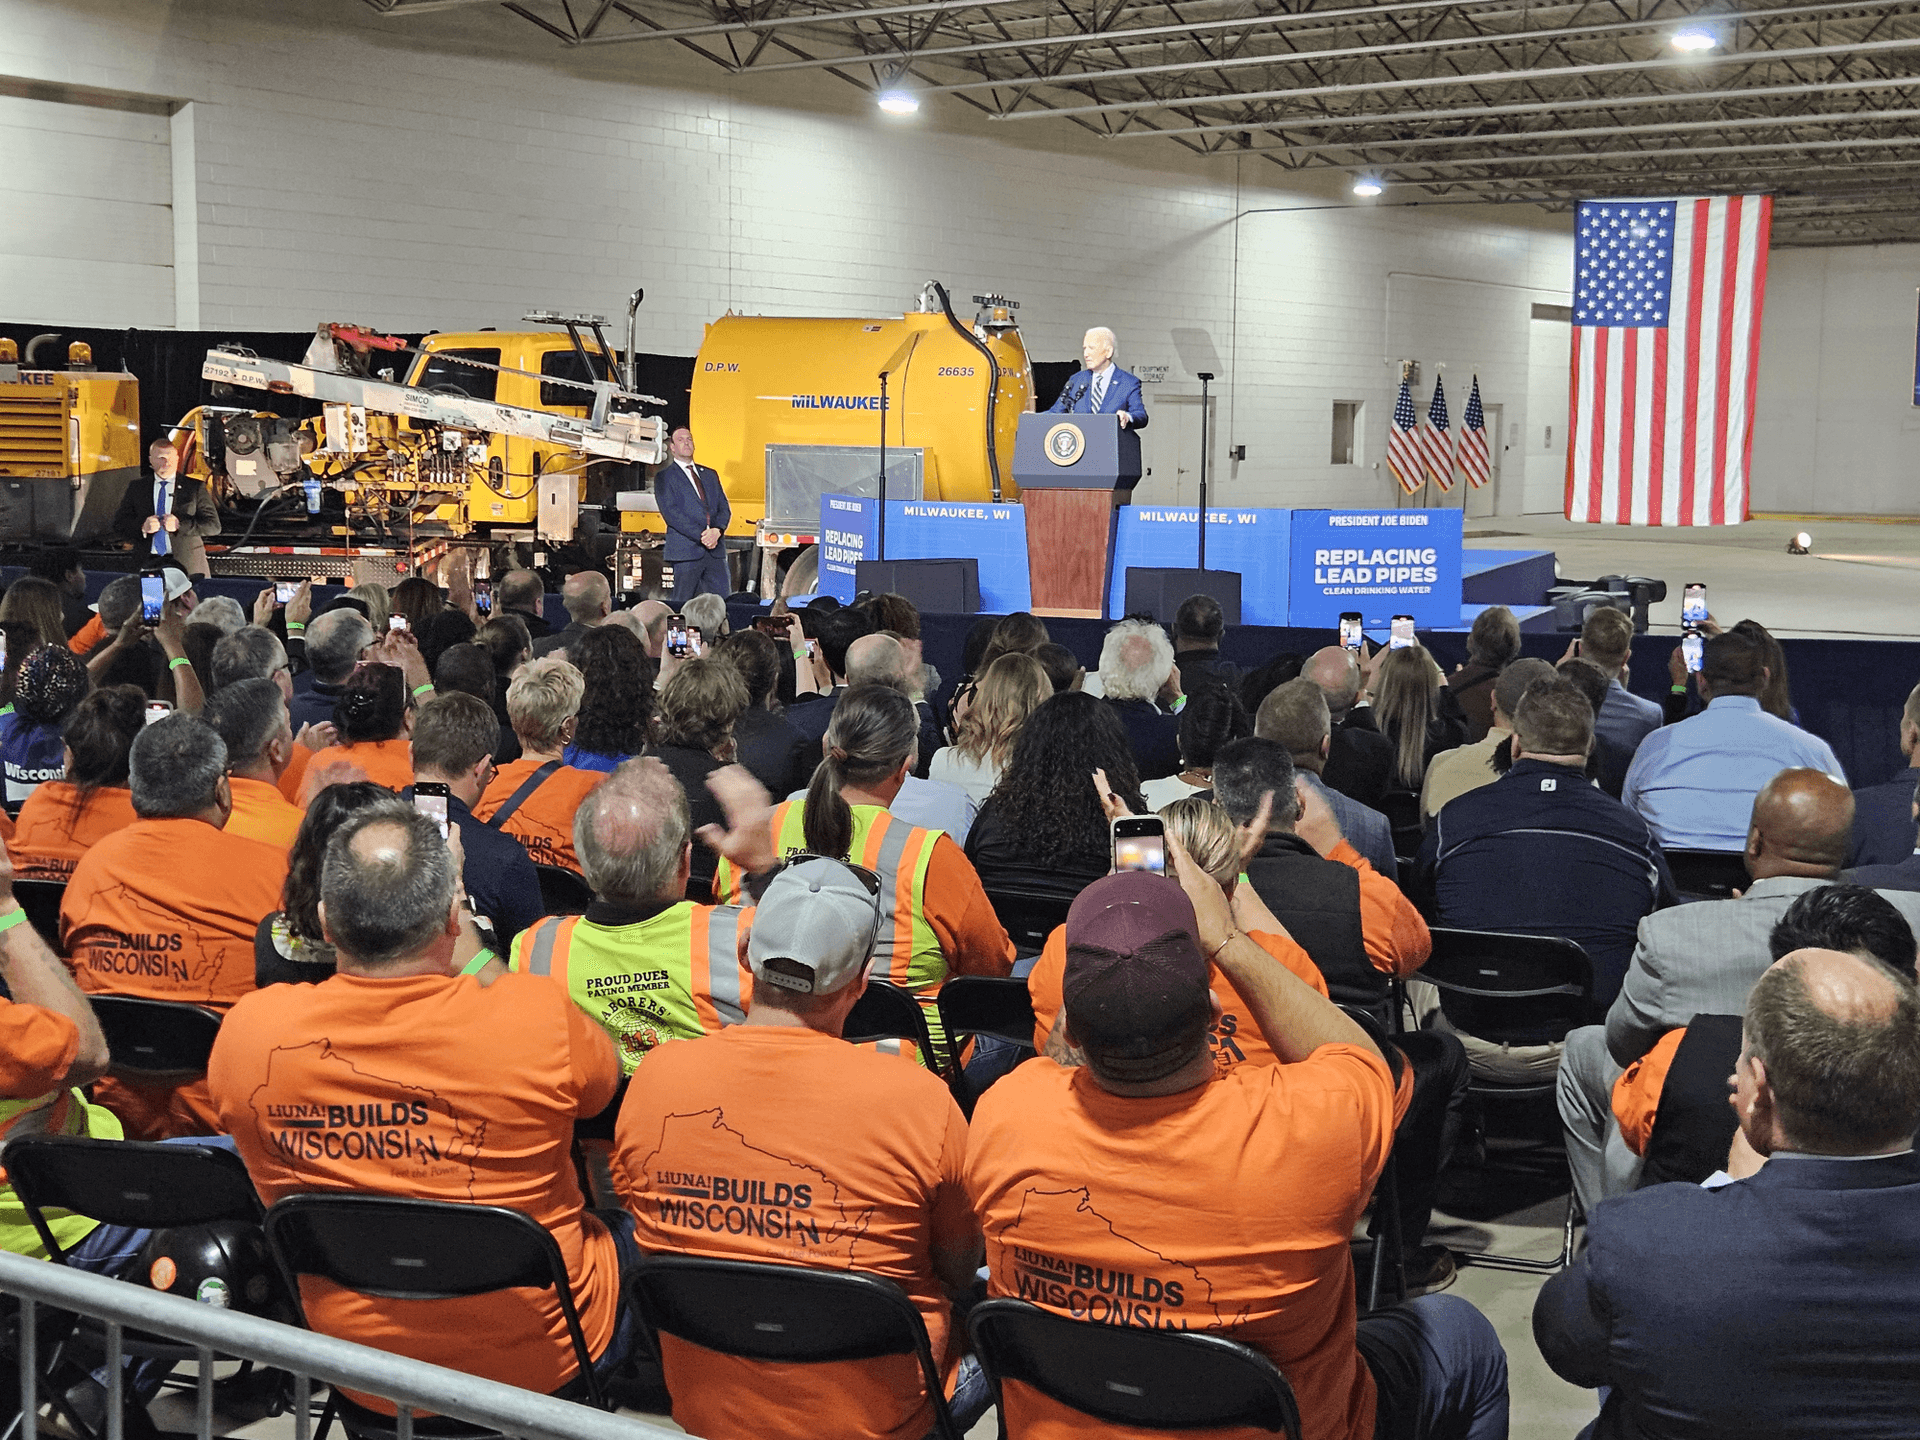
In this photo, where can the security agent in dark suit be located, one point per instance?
(170, 513)
(1781, 1304)
(1883, 824)
(697, 515)
(1103, 388)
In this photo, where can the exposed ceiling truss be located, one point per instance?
(1448, 100)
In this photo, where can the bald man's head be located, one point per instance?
(654, 615)
(1335, 670)
(1802, 824)
(1831, 1059)
(587, 596)
(877, 660)
(631, 835)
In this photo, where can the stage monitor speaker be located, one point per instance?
(937, 587)
(1159, 592)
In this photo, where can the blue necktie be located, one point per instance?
(161, 540)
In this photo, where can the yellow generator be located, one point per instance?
(786, 409)
(69, 446)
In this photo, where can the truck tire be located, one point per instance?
(803, 575)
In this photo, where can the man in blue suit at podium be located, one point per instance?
(697, 515)
(1103, 388)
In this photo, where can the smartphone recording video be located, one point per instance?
(1401, 635)
(1351, 635)
(1694, 646)
(483, 596)
(1140, 843)
(679, 640)
(396, 622)
(285, 590)
(430, 799)
(1693, 604)
(158, 710)
(153, 596)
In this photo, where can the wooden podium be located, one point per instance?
(1072, 471)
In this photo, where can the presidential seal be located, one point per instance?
(1065, 444)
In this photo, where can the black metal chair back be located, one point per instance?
(1030, 913)
(134, 1183)
(887, 1012)
(561, 891)
(41, 900)
(157, 1037)
(787, 1314)
(1147, 1379)
(401, 1249)
(1708, 874)
(1510, 989)
(987, 1005)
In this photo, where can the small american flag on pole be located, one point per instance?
(1404, 455)
(1667, 297)
(1476, 456)
(1438, 438)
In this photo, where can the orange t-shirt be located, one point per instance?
(1636, 1094)
(89, 635)
(1234, 1037)
(6, 826)
(60, 822)
(790, 1146)
(386, 762)
(167, 910)
(434, 1088)
(261, 813)
(544, 821)
(295, 774)
(1227, 1207)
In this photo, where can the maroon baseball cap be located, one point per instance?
(1136, 984)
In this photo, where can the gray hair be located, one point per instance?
(392, 904)
(709, 612)
(1113, 340)
(220, 610)
(175, 767)
(334, 643)
(543, 697)
(1134, 660)
(877, 660)
(118, 601)
(250, 653)
(630, 833)
(247, 715)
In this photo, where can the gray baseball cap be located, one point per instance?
(821, 917)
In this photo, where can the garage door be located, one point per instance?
(86, 215)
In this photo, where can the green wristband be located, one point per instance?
(1679, 689)
(479, 962)
(18, 917)
(420, 690)
(177, 662)
(293, 625)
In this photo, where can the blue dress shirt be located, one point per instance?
(1694, 782)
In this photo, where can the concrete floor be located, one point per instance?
(1861, 582)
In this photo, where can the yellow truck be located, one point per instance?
(69, 446)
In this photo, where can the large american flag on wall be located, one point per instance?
(1667, 297)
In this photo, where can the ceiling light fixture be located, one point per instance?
(1693, 41)
(899, 102)
(1367, 186)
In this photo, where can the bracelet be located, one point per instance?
(293, 625)
(1679, 689)
(1231, 937)
(177, 662)
(479, 962)
(16, 916)
(420, 690)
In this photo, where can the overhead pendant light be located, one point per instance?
(1694, 40)
(899, 102)
(1367, 186)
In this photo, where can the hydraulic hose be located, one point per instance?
(993, 384)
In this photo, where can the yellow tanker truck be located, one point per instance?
(786, 408)
(69, 446)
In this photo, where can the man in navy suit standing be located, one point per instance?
(697, 514)
(1103, 388)
(1781, 1303)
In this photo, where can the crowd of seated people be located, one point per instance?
(340, 838)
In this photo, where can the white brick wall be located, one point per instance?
(453, 170)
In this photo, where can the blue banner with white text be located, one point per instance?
(993, 535)
(1380, 562)
(1253, 542)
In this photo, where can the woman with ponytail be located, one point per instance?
(375, 718)
(941, 920)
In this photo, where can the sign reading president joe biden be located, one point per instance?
(1380, 562)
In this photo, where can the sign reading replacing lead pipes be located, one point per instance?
(1380, 562)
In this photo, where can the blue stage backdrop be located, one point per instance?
(1380, 562)
(994, 535)
(1254, 542)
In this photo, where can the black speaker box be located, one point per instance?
(938, 587)
(1159, 592)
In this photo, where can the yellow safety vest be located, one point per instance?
(59, 1112)
(675, 976)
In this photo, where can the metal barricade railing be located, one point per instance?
(413, 1385)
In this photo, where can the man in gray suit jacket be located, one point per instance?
(1702, 959)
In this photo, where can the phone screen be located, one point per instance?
(773, 625)
(430, 799)
(483, 596)
(1350, 632)
(396, 622)
(153, 598)
(679, 643)
(1402, 634)
(158, 710)
(1695, 649)
(1693, 605)
(1139, 843)
(285, 590)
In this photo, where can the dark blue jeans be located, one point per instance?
(1439, 1369)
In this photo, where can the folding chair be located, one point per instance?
(1708, 874)
(1389, 1244)
(984, 1005)
(887, 1012)
(1519, 990)
(1030, 912)
(137, 1184)
(41, 900)
(1148, 1379)
(394, 1248)
(561, 891)
(787, 1314)
(156, 1037)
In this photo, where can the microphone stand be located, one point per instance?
(1206, 417)
(882, 546)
